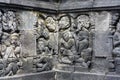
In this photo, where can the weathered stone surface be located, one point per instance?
(76, 4)
(28, 41)
(64, 75)
(64, 5)
(100, 65)
(107, 3)
(32, 76)
(102, 44)
(5, 1)
(34, 4)
(112, 77)
(88, 76)
(27, 20)
(65, 67)
(66, 43)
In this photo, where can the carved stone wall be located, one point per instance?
(35, 42)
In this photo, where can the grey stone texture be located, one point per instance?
(32, 76)
(64, 5)
(73, 46)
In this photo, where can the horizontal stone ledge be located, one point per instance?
(62, 75)
(29, 5)
(48, 75)
(68, 6)
(112, 8)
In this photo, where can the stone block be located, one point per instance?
(100, 65)
(64, 75)
(106, 3)
(102, 43)
(64, 67)
(88, 76)
(28, 43)
(76, 4)
(112, 77)
(32, 76)
(28, 20)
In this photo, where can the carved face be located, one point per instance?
(118, 27)
(10, 13)
(83, 35)
(51, 24)
(73, 25)
(66, 36)
(64, 22)
(14, 38)
(41, 45)
(114, 18)
(83, 21)
(5, 36)
(40, 25)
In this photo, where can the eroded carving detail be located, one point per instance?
(10, 46)
(46, 43)
(75, 47)
(115, 31)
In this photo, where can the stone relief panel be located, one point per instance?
(75, 42)
(46, 43)
(10, 45)
(68, 42)
(114, 35)
(84, 42)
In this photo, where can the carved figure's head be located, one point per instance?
(83, 21)
(83, 35)
(67, 36)
(64, 22)
(14, 38)
(50, 23)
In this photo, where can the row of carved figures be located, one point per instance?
(71, 41)
(66, 41)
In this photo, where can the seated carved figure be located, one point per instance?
(9, 62)
(116, 51)
(67, 48)
(84, 51)
(116, 39)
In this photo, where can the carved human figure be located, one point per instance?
(64, 23)
(1, 14)
(41, 30)
(114, 22)
(51, 25)
(116, 50)
(84, 50)
(43, 47)
(10, 62)
(43, 63)
(67, 44)
(9, 21)
(83, 22)
(116, 40)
